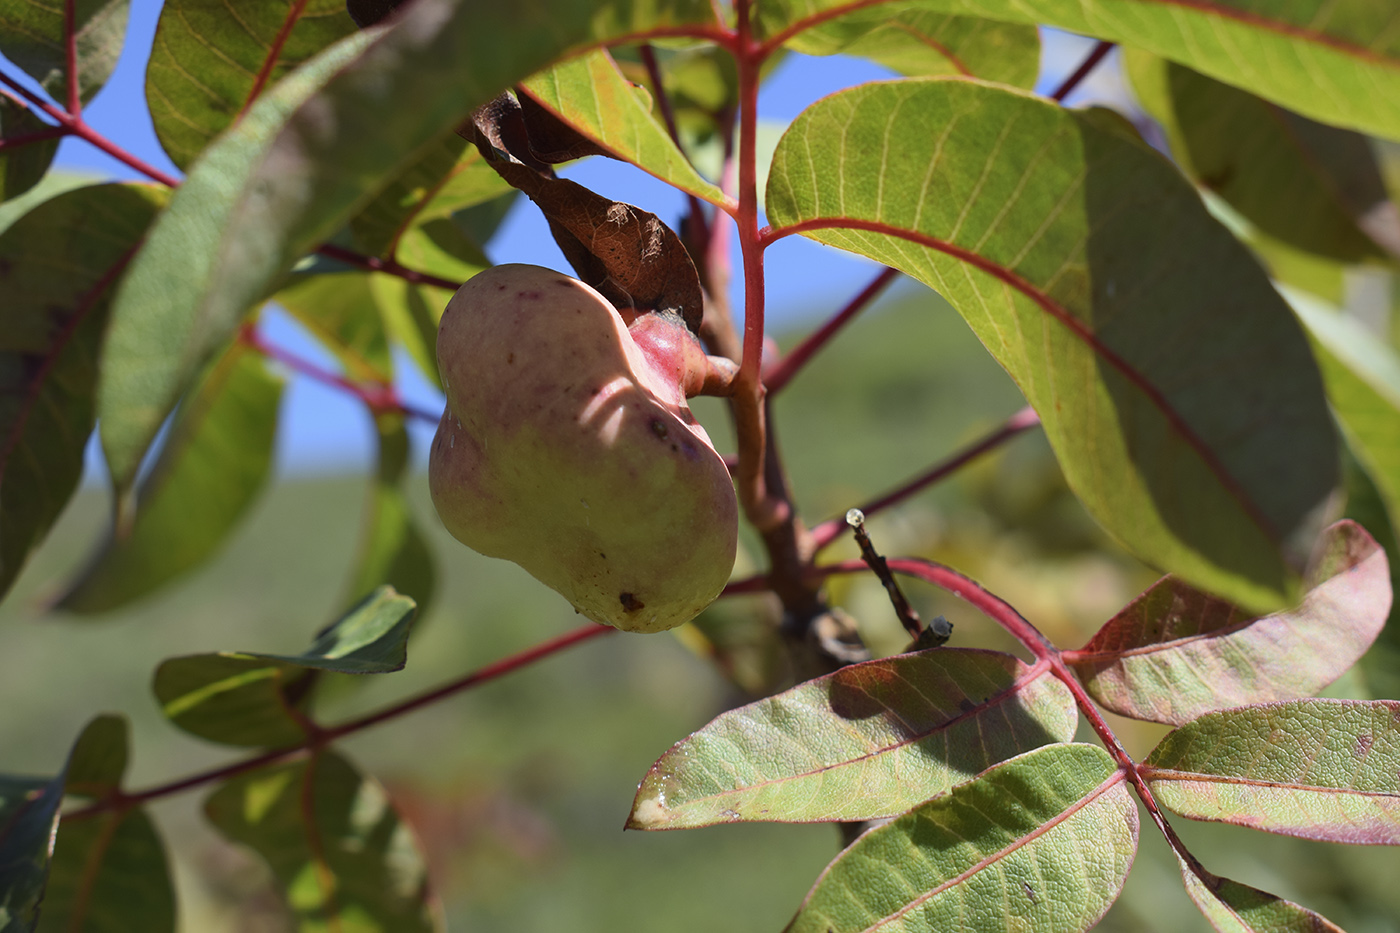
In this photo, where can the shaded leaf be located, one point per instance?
(57, 267)
(1249, 152)
(28, 821)
(110, 871)
(1041, 842)
(451, 176)
(1334, 60)
(340, 310)
(210, 59)
(1232, 907)
(1168, 374)
(392, 550)
(1319, 769)
(304, 160)
(591, 95)
(213, 465)
(1175, 652)
(341, 855)
(34, 35)
(928, 42)
(22, 164)
(160, 336)
(260, 699)
(868, 741)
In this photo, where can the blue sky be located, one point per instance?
(323, 430)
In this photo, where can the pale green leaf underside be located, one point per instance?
(338, 851)
(1319, 769)
(868, 741)
(304, 160)
(592, 96)
(1178, 391)
(1042, 842)
(1232, 907)
(1337, 61)
(209, 58)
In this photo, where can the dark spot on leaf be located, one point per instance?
(966, 705)
(658, 427)
(1030, 892)
(1363, 745)
(630, 603)
(602, 555)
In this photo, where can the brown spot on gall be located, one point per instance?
(630, 603)
(658, 427)
(510, 359)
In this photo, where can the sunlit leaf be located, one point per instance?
(213, 465)
(109, 870)
(22, 163)
(340, 854)
(870, 740)
(260, 699)
(1319, 769)
(35, 35)
(1175, 652)
(1174, 384)
(1250, 152)
(340, 310)
(1334, 60)
(928, 42)
(57, 267)
(392, 549)
(1041, 842)
(1232, 907)
(590, 94)
(210, 59)
(28, 820)
(306, 157)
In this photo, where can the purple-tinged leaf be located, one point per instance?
(1318, 769)
(1232, 907)
(1175, 652)
(1042, 842)
(870, 740)
(341, 856)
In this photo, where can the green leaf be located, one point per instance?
(868, 741)
(260, 699)
(211, 59)
(340, 853)
(1249, 151)
(1319, 769)
(1333, 60)
(110, 871)
(392, 549)
(1362, 375)
(451, 176)
(1041, 842)
(340, 310)
(928, 42)
(1232, 907)
(1176, 388)
(28, 820)
(22, 164)
(34, 36)
(304, 160)
(161, 336)
(57, 265)
(1175, 652)
(590, 94)
(211, 469)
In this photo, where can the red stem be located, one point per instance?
(782, 373)
(70, 39)
(389, 266)
(273, 53)
(1023, 420)
(1090, 62)
(14, 142)
(476, 678)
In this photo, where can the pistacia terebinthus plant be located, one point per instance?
(567, 447)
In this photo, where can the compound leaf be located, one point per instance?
(1318, 769)
(868, 741)
(1041, 842)
(1175, 386)
(1175, 652)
